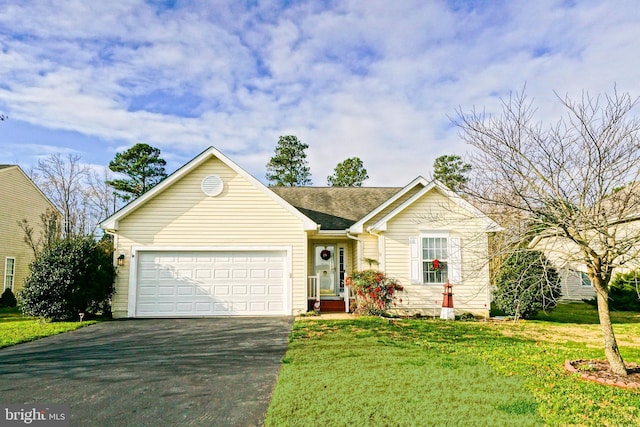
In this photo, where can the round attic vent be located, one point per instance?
(212, 185)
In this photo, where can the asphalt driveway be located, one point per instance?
(155, 372)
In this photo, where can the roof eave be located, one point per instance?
(358, 227)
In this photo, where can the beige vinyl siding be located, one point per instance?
(242, 215)
(394, 205)
(572, 287)
(434, 212)
(20, 200)
(369, 250)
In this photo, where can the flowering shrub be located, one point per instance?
(374, 291)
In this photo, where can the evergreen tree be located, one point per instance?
(349, 173)
(144, 167)
(451, 171)
(288, 167)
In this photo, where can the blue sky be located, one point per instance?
(375, 79)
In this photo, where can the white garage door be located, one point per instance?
(187, 284)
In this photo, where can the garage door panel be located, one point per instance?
(210, 283)
(221, 290)
(240, 290)
(276, 290)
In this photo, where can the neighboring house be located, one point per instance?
(212, 240)
(21, 199)
(575, 284)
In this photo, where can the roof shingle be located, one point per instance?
(335, 208)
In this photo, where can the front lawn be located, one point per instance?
(16, 328)
(372, 371)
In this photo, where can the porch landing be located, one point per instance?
(328, 306)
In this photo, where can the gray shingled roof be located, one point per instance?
(335, 208)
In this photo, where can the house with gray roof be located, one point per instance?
(212, 240)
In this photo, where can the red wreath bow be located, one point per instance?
(436, 264)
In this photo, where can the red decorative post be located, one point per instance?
(447, 312)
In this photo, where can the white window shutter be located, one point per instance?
(414, 250)
(455, 261)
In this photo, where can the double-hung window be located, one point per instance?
(584, 279)
(9, 272)
(435, 258)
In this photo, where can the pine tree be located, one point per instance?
(348, 173)
(288, 167)
(144, 167)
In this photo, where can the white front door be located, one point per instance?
(326, 264)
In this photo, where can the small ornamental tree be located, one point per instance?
(375, 292)
(525, 284)
(68, 277)
(8, 299)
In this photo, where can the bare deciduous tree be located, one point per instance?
(102, 197)
(81, 193)
(62, 179)
(564, 181)
(48, 233)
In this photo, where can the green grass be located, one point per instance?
(370, 371)
(15, 328)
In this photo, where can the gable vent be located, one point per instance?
(212, 185)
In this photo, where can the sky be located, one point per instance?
(377, 79)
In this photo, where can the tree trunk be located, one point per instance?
(610, 344)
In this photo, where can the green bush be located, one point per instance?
(375, 292)
(8, 299)
(624, 292)
(70, 276)
(525, 284)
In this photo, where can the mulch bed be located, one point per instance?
(599, 371)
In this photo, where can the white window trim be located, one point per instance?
(454, 261)
(581, 277)
(13, 273)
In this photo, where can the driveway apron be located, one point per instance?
(153, 372)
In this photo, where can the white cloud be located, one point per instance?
(375, 79)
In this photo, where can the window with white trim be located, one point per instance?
(435, 258)
(584, 279)
(9, 272)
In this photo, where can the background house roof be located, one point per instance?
(5, 166)
(335, 208)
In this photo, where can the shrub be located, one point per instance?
(467, 317)
(624, 292)
(375, 292)
(525, 284)
(8, 299)
(69, 276)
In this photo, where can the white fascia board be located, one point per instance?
(490, 225)
(341, 233)
(358, 227)
(111, 223)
